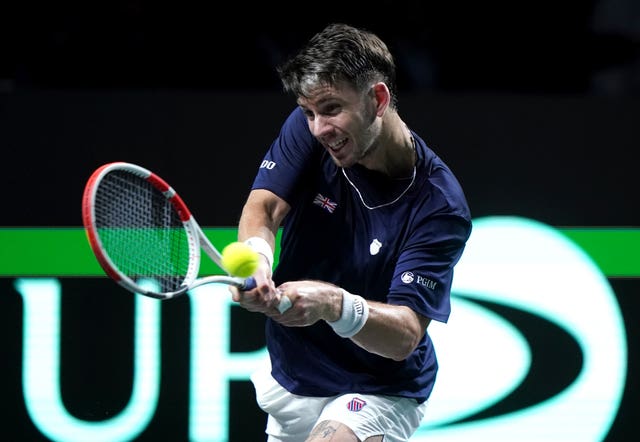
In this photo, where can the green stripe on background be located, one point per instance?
(615, 250)
(66, 251)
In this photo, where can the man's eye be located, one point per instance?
(332, 109)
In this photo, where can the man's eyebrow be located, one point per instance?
(321, 101)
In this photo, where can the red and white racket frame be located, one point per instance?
(195, 235)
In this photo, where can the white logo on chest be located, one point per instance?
(374, 247)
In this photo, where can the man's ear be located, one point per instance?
(382, 96)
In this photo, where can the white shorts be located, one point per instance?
(292, 417)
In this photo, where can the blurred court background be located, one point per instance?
(535, 106)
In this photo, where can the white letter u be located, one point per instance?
(41, 368)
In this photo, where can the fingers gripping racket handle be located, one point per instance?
(283, 305)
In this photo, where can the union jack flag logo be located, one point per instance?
(325, 203)
(356, 404)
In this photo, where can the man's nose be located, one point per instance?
(319, 126)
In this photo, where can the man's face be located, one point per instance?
(343, 120)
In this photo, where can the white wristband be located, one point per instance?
(261, 246)
(355, 312)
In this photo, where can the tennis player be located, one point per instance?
(373, 224)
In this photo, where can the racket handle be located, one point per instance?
(249, 284)
(285, 304)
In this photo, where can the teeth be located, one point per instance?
(338, 143)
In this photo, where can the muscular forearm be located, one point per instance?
(261, 216)
(254, 223)
(391, 331)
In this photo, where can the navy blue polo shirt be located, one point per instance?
(402, 253)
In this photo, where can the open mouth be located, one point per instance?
(337, 145)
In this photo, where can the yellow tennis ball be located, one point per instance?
(239, 259)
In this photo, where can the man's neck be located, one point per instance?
(394, 154)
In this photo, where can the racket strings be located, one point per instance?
(141, 231)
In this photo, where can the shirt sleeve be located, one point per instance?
(424, 272)
(288, 158)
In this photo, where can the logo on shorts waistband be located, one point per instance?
(356, 404)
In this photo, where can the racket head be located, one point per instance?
(140, 230)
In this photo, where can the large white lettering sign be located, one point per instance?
(518, 263)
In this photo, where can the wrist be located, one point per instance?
(355, 312)
(261, 246)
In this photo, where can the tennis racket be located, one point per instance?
(143, 234)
